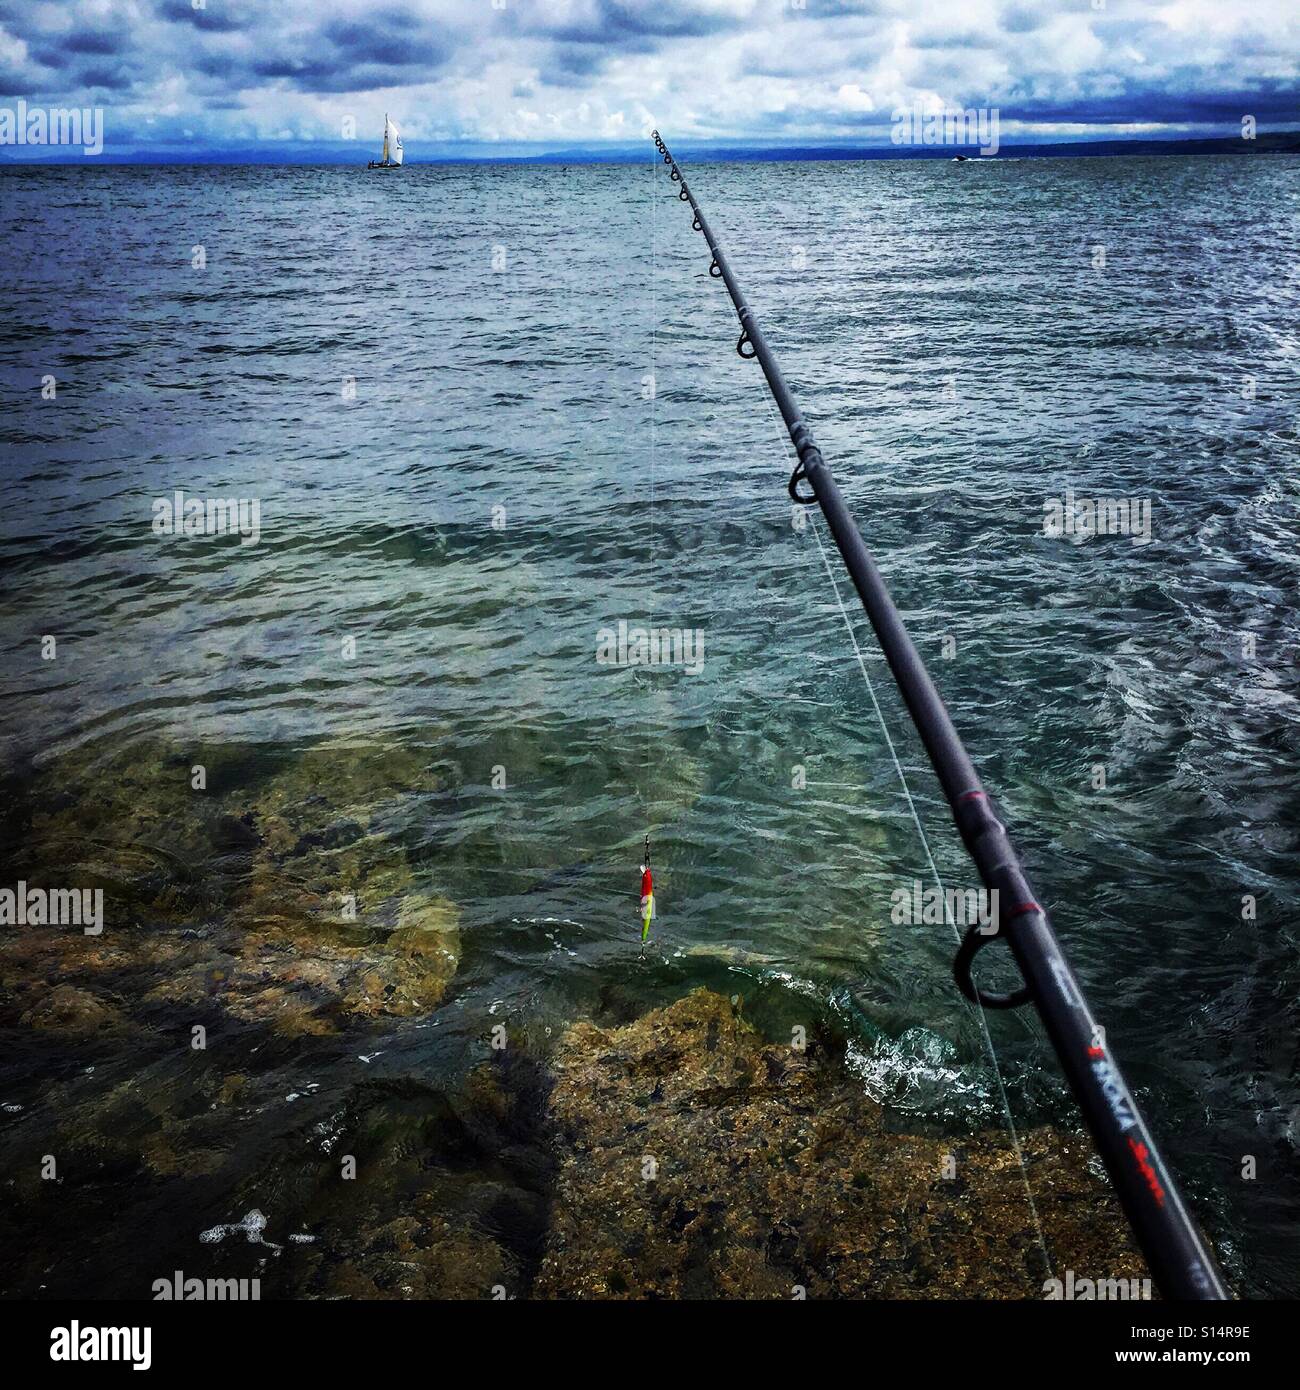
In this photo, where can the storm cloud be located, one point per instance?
(592, 72)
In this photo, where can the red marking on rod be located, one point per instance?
(1143, 1157)
(1024, 907)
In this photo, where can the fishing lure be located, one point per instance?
(647, 895)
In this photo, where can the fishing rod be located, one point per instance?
(1180, 1264)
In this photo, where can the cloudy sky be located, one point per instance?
(528, 75)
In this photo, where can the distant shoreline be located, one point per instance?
(352, 156)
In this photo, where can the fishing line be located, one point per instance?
(1012, 1132)
(650, 511)
(654, 410)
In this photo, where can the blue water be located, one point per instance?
(489, 411)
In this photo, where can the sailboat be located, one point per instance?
(392, 156)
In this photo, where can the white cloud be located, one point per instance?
(593, 70)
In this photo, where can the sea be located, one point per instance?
(492, 448)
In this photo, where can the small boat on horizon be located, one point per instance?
(392, 155)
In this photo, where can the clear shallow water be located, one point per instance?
(960, 359)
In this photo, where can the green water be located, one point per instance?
(503, 485)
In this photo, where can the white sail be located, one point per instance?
(393, 142)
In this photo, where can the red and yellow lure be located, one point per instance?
(647, 895)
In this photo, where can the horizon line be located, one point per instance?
(348, 154)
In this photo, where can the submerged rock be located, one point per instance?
(280, 890)
(449, 1198)
(308, 978)
(419, 1256)
(676, 1156)
(696, 1161)
(67, 1009)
